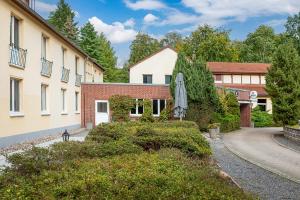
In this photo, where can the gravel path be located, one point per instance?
(286, 142)
(252, 178)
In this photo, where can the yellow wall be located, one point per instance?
(30, 38)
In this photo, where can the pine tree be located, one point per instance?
(201, 92)
(89, 41)
(141, 47)
(283, 85)
(63, 20)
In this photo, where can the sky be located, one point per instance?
(121, 20)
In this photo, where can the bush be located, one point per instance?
(106, 132)
(230, 123)
(164, 115)
(261, 118)
(147, 114)
(120, 106)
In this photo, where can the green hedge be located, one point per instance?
(261, 118)
(230, 123)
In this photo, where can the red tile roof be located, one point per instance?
(260, 89)
(238, 68)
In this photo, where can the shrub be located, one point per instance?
(230, 123)
(233, 106)
(120, 106)
(106, 132)
(164, 115)
(261, 118)
(145, 131)
(147, 115)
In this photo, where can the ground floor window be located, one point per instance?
(44, 98)
(63, 100)
(14, 95)
(138, 108)
(262, 104)
(158, 105)
(76, 101)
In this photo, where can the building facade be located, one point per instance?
(41, 73)
(247, 76)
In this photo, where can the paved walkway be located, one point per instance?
(257, 146)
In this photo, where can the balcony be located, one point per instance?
(65, 75)
(78, 80)
(46, 67)
(17, 56)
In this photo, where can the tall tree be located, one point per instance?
(63, 19)
(89, 41)
(173, 40)
(283, 84)
(201, 91)
(209, 44)
(293, 29)
(141, 47)
(259, 46)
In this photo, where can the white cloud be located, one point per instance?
(129, 23)
(150, 18)
(115, 32)
(276, 22)
(241, 10)
(43, 7)
(145, 4)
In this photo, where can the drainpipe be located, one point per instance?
(85, 60)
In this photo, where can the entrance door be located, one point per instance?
(101, 112)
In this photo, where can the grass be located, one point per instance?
(121, 161)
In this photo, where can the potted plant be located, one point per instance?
(214, 130)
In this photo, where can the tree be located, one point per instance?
(141, 47)
(209, 44)
(63, 19)
(201, 92)
(283, 84)
(293, 29)
(173, 40)
(89, 41)
(259, 46)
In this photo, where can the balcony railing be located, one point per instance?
(65, 75)
(78, 80)
(46, 67)
(17, 56)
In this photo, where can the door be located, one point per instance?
(101, 112)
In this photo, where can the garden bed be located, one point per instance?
(121, 161)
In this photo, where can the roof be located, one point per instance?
(155, 53)
(260, 89)
(34, 14)
(238, 68)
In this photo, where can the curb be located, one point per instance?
(274, 171)
(280, 144)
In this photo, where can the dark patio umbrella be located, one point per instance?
(180, 97)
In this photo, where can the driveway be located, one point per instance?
(257, 146)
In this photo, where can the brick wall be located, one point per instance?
(92, 92)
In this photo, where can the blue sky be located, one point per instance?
(121, 20)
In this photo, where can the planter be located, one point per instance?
(213, 132)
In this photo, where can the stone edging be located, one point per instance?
(274, 171)
(280, 144)
(292, 133)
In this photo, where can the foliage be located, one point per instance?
(147, 114)
(164, 115)
(261, 118)
(120, 106)
(283, 85)
(173, 40)
(209, 44)
(63, 20)
(201, 91)
(259, 46)
(230, 123)
(293, 29)
(141, 47)
(88, 40)
(232, 104)
(213, 125)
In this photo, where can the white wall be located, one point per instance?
(158, 65)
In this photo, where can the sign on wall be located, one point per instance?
(253, 96)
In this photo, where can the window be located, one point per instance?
(44, 47)
(44, 98)
(76, 65)
(262, 103)
(218, 78)
(237, 79)
(246, 79)
(138, 108)
(14, 95)
(262, 80)
(63, 51)
(147, 78)
(254, 79)
(102, 107)
(158, 105)
(14, 31)
(227, 79)
(168, 79)
(76, 101)
(63, 100)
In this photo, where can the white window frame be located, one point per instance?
(77, 110)
(158, 106)
(44, 47)
(44, 111)
(12, 110)
(263, 104)
(136, 109)
(12, 30)
(64, 110)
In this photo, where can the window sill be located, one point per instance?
(64, 113)
(16, 66)
(45, 114)
(16, 114)
(77, 112)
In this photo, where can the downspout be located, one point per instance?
(85, 60)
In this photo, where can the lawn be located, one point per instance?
(121, 161)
